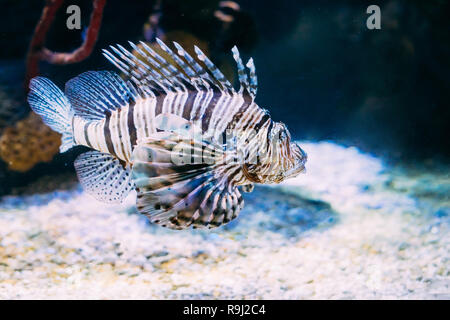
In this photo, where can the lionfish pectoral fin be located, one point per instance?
(180, 184)
(103, 176)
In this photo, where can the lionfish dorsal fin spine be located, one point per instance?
(178, 71)
(242, 74)
(183, 65)
(200, 72)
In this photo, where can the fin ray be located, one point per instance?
(182, 73)
(103, 176)
(216, 73)
(48, 101)
(94, 93)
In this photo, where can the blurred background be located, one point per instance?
(321, 70)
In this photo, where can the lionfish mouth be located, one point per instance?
(296, 170)
(300, 158)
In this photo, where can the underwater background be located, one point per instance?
(369, 220)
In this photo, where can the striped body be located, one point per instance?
(216, 112)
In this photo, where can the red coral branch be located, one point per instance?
(37, 42)
(38, 52)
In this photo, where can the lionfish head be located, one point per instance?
(287, 158)
(281, 160)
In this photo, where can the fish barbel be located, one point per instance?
(176, 131)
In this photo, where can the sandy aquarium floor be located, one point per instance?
(350, 228)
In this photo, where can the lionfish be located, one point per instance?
(176, 131)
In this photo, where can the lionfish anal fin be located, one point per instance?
(103, 176)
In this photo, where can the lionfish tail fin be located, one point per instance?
(48, 101)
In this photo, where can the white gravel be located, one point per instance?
(349, 228)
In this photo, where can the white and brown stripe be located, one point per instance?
(197, 94)
(218, 111)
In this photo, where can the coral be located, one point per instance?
(30, 141)
(186, 40)
(27, 143)
(37, 50)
